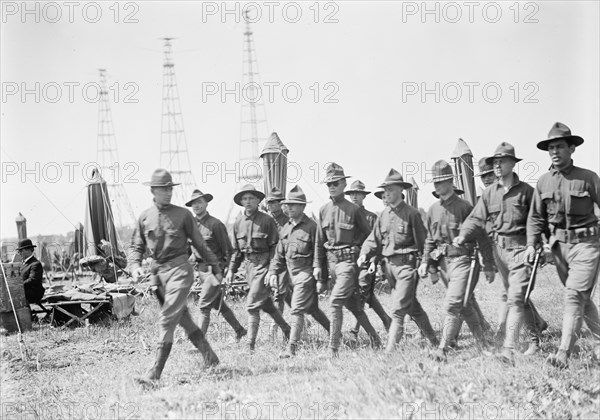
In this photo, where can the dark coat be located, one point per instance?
(32, 274)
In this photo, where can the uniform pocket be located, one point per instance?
(401, 232)
(346, 233)
(548, 200)
(259, 241)
(301, 245)
(241, 240)
(581, 203)
(520, 213)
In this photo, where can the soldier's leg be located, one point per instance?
(269, 307)
(502, 304)
(380, 311)
(364, 289)
(539, 322)
(485, 326)
(210, 291)
(344, 285)
(348, 271)
(221, 306)
(258, 294)
(279, 296)
(304, 300)
(403, 285)
(590, 316)
(322, 319)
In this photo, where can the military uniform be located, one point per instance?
(295, 254)
(211, 295)
(164, 230)
(507, 211)
(563, 201)
(342, 229)
(256, 237)
(443, 222)
(399, 237)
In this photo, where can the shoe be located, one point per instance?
(543, 326)
(290, 352)
(354, 332)
(240, 334)
(558, 360)
(439, 355)
(507, 356)
(533, 348)
(334, 353)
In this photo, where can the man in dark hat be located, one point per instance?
(295, 253)
(32, 272)
(399, 237)
(563, 202)
(505, 206)
(215, 236)
(366, 277)
(164, 230)
(443, 222)
(342, 229)
(255, 234)
(279, 288)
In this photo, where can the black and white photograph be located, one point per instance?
(300, 209)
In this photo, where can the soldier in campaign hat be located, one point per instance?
(399, 237)
(215, 235)
(342, 229)
(366, 277)
(164, 230)
(443, 222)
(256, 236)
(295, 253)
(563, 202)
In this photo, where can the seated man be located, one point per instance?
(107, 270)
(32, 272)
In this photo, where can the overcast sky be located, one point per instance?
(354, 74)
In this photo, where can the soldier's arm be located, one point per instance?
(419, 232)
(223, 242)
(320, 256)
(429, 242)
(485, 247)
(237, 256)
(273, 238)
(595, 188)
(372, 245)
(192, 232)
(364, 230)
(136, 248)
(277, 264)
(476, 220)
(536, 221)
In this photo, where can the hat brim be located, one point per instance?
(441, 178)
(294, 202)
(207, 197)
(490, 160)
(168, 184)
(333, 179)
(457, 191)
(575, 140)
(270, 199)
(405, 185)
(348, 192)
(489, 171)
(26, 247)
(238, 197)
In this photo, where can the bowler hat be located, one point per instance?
(484, 167)
(296, 196)
(334, 172)
(161, 178)
(357, 187)
(504, 149)
(441, 171)
(25, 243)
(394, 178)
(248, 188)
(560, 131)
(275, 195)
(196, 194)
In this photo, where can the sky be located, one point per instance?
(368, 85)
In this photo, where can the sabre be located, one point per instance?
(473, 272)
(531, 283)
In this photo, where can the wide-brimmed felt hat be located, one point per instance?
(379, 194)
(456, 191)
(295, 196)
(484, 167)
(357, 187)
(248, 188)
(504, 149)
(441, 171)
(196, 194)
(25, 243)
(560, 131)
(334, 172)
(161, 178)
(275, 195)
(394, 178)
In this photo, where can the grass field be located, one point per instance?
(88, 372)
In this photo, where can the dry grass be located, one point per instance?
(88, 373)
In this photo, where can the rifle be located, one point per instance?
(534, 268)
(473, 274)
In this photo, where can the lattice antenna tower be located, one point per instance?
(107, 158)
(174, 154)
(254, 130)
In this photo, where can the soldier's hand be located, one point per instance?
(489, 276)
(458, 241)
(229, 277)
(138, 274)
(271, 281)
(321, 286)
(530, 254)
(219, 276)
(422, 270)
(361, 260)
(372, 268)
(317, 273)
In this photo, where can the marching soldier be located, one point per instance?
(444, 220)
(280, 288)
(563, 201)
(255, 235)
(164, 229)
(488, 177)
(366, 278)
(295, 253)
(342, 228)
(215, 236)
(399, 236)
(505, 205)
